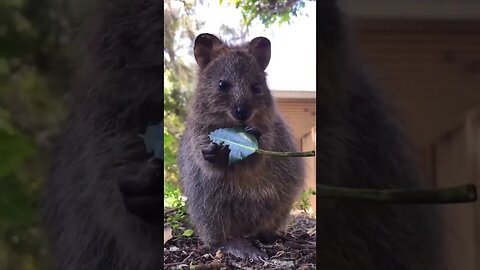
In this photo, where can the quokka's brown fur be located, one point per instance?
(253, 196)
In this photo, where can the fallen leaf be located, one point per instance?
(188, 232)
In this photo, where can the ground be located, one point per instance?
(298, 252)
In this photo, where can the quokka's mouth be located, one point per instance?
(232, 122)
(244, 122)
(242, 128)
(213, 128)
(231, 116)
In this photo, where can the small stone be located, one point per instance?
(284, 264)
(219, 255)
(173, 248)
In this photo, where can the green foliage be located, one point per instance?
(304, 202)
(174, 117)
(34, 69)
(187, 233)
(173, 200)
(170, 147)
(173, 197)
(179, 28)
(267, 11)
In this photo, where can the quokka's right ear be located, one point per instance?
(260, 48)
(206, 48)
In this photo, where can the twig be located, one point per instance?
(286, 154)
(297, 241)
(172, 264)
(209, 266)
(188, 257)
(460, 194)
(169, 211)
(278, 254)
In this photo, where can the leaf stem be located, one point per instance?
(285, 154)
(459, 194)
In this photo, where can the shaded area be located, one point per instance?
(36, 39)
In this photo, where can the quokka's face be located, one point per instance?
(236, 86)
(232, 84)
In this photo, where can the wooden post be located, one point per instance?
(457, 161)
(308, 143)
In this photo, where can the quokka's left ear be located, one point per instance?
(206, 48)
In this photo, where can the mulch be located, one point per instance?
(296, 251)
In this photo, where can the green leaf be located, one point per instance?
(237, 3)
(241, 144)
(188, 233)
(284, 18)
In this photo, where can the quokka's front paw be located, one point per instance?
(216, 153)
(142, 192)
(254, 131)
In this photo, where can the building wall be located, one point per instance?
(300, 115)
(429, 69)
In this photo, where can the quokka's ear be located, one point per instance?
(260, 48)
(205, 48)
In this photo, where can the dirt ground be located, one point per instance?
(297, 252)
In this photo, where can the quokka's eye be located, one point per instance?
(256, 88)
(224, 86)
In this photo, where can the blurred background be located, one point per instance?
(424, 53)
(35, 39)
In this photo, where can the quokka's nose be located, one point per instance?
(242, 112)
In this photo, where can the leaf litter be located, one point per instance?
(295, 250)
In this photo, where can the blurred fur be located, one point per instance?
(360, 144)
(118, 85)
